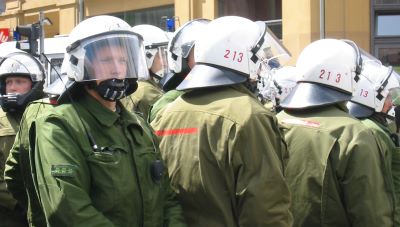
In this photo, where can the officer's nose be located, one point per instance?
(119, 70)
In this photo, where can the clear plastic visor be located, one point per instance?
(184, 39)
(395, 95)
(272, 53)
(382, 77)
(113, 56)
(160, 63)
(21, 64)
(395, 92)
(367, 57)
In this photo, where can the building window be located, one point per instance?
(154, 16)
(385, 32)
(276, 27)
(389, 55)
(256, 10)
(386, 2)
(387, 25)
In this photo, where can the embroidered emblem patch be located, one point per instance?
(63, 170)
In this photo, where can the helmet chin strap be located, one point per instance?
(110, 90)
(114, 89)
(16, 103)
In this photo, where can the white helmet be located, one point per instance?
(376, 83)
(155, 41)
(280, 84)
(183, 41)
(328, 72)
(97, 34)
(179, 47)
(20, 64)
(232, 50)
(99, 31)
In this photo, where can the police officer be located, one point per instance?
(18, 167)
(181, 61)
(21, 81)
(335, 171)
(373, 102)
(149, 90)
(223, 149)
(97, 164)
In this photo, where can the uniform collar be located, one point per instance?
(102, 114)
(242, 88)
(107, 117)
(328, 108)
(379, 118)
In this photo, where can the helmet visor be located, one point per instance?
(112, 56)
(271, 52)
(21, 64)
(162, 64)
(367, 57)
(392, 82)
(183, 40)
(395, 94)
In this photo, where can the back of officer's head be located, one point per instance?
(328, 73)
(233, 50)
(377, 92)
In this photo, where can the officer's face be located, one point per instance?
(110, 62)
(19, 85)
(157, 63)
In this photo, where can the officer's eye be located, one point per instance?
(123, 61)
(106, 60)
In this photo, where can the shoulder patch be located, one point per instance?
(63, 170)
(313, 124)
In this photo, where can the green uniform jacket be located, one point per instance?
(224, 154)
(112, 185)
(335, 170)
(143, 98)
(391, 153)
(18, 173)
(9, 216)
(161, 103)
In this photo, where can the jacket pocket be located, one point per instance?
(106, 168)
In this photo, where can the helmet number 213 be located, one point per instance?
(327, 75)
(234, 55)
